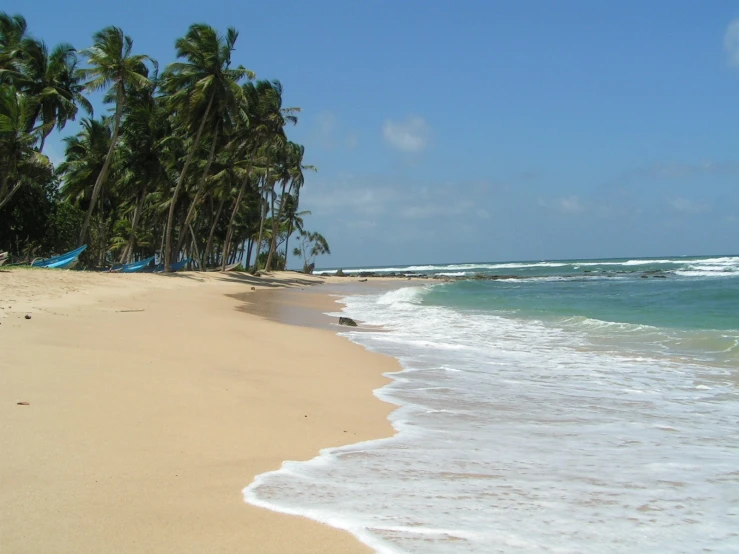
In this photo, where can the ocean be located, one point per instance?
(576, 406)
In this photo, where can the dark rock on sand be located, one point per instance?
(347, 321)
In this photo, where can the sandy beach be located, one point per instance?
(154, 400)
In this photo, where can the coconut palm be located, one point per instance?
(112, 67)
(13, 29)
(292, 172)
(52, 80)
(264, 138)
(203, 89)
(20, 161)
(142, 164)
(85, 155)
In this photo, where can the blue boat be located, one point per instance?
(132, 267)
(64, 261)
(172, 267)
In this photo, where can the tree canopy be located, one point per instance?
(192, 162)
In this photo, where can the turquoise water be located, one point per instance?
(573, 407)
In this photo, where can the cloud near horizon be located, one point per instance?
(566, 205)
(409, 135)
(328, 134)
(687, 206)
(731, 42)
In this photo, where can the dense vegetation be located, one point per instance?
(190, 162)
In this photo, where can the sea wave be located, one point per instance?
(680, 263)
(519, 434)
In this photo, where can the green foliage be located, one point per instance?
(310, 246)
(36, 222)
(190, 162)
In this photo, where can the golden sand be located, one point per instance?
(154, 400)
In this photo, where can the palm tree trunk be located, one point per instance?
(262, 217)
(5, 199)
(178, 187)
(275, 227)
(120, 100)
(199, 192)
(194, 247)
(290, 224)
(287, 241)
(229, 232)
(209, 244)
(249, 246)
(128, 251)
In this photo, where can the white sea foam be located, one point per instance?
(515, 436)
(724, 263)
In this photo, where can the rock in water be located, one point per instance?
(347, 321)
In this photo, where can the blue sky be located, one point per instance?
(484, 130)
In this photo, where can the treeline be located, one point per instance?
(191, 161)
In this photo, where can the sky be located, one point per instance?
(482, 130)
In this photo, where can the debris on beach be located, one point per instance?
(347, 321)
(28, 316)
(24, 403)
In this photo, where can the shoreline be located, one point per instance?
(154, 401)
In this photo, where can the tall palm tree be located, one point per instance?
(265, 138)
(53, 81)
(112, 67)
(292, 172)
(202, 89)
(143, 157)
(20, 161)
(13, 29)
(85, 155)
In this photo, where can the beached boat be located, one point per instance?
(63, 261)
(173, 267)
(132, 267)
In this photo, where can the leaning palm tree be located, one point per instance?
(52, 80)
(264, 138)
(20, 161)
(112, 67)
(142, 164)
(13, 31)
(292, 172)
(84, 157)
(202, 90)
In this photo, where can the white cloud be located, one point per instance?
(687, 206)
(731, 42)
(409, 135)
(328, 133)
(567, 205)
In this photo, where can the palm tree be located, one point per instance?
(20, 161)
(13, 31)
(112, 65)
(295, 222)
(52, 80)
(265, 137)
(142, 164)
(85, 155)
(202, 90)
(292, 168)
